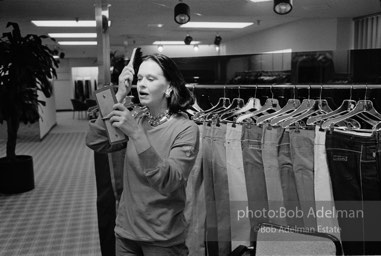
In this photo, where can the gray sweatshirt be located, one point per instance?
(153, 199)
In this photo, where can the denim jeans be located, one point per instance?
(195, 209)
(302, 154)
(323, 186)
(240, 226)
(291, 199)
(254, 174)
(271, 138)
(127, 247)
(354, 166)
(211, 213)
(221, 189)
(218, 231)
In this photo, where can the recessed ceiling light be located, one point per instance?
(173, 42)
(66, 23)
(155, 25)
(77, 42)
(216, 24)
(73, 35)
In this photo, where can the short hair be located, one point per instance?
(181, 98)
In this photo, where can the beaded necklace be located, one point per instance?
(158, 120)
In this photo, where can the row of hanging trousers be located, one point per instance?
(354, 165)
(309, 179)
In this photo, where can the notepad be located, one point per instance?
(106, 99)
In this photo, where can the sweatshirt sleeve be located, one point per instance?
(97, 139)
(167, 175)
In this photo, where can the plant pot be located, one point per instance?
(16, 176)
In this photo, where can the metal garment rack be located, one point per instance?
(291, 86)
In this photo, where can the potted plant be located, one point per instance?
(26, 66)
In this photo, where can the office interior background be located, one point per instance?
(59, 217)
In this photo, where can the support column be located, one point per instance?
(108, 167)
(103, 39)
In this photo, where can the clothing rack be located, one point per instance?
(295, 86)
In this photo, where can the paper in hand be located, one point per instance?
(106, 99)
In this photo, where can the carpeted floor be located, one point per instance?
(59, 216)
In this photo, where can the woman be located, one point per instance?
(161, 150)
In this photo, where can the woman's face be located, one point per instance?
(152, 86)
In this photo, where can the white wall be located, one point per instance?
(301, 35)
(182, 50)
(47, 113)
(345, 34)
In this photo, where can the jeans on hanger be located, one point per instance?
(221, 189)
(323, 186)
(195, 209)
(240, 224)
(302, 154)
(354, 165)
(211, 245)
(291, 199)
(254, 174)
(271, 138)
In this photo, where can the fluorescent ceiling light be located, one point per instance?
(66, 23)
(216, 24)
(258, 1)
(73, 35)
(77, 42)
(280, 51)
(174, 42)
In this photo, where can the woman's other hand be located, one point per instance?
(125, 82)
